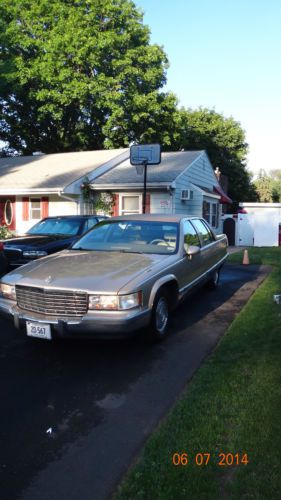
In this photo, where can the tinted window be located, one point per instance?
(190, 235)
(56, 226)
(204, 232)
(89, 223)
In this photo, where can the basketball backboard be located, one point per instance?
(145, 153)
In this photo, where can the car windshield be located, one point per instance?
(56, 226)
(131, 236)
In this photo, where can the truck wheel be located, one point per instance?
(160, 316)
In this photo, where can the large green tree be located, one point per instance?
(276, 184)
(268, 187)
(80, 74)
(224, 140)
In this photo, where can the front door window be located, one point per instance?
(203, 231)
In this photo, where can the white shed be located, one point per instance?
(259, 225)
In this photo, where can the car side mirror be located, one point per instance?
(191, 250)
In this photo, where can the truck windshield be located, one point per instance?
(131, 236)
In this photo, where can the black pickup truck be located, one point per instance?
(48, 236)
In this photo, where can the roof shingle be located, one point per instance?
(53, 171)
(172, 165)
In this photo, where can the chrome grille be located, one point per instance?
(52, 302)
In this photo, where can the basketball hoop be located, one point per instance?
(139, 169)
(142, 155)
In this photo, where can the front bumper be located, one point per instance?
(95, 324)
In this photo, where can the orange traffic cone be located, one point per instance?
(245, 258)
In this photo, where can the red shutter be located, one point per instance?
(116, 205)
(44, 206)
(147, 204)
(25, 208)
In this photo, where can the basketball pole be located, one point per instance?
(144, 186)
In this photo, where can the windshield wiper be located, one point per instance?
(48, 234)
(120, 250)
(124, 250)
(78, 248)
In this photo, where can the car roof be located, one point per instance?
(154, 217)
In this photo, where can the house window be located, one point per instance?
(215, 218)
(130, 204)
(206, 211)
(35, 209)
(8, 213)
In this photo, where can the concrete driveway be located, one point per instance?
(75, 414)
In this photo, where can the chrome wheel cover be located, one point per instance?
(161, 315)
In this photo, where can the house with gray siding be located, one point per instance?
(32, 187)
(184, 182)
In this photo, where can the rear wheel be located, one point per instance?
(160, 316)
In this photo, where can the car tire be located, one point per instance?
(159, 324)
(214, 280)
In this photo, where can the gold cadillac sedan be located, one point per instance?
(124, 274)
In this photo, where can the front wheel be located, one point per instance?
(214, 280)
(160, 316)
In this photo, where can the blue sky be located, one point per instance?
(226, 55)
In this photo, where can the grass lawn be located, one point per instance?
(230, 412)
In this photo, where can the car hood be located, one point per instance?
(35, 241)
(85, 270)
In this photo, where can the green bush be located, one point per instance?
(5, 232)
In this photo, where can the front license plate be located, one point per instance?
(41, 330)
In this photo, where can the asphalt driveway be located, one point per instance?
(75, 414)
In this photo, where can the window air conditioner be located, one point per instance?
(185, 195)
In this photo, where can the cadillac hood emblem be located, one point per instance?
(48, 279)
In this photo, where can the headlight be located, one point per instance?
(103, 302)
(8, 291)
(130, 301)
(33, 254)
(115, 302)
